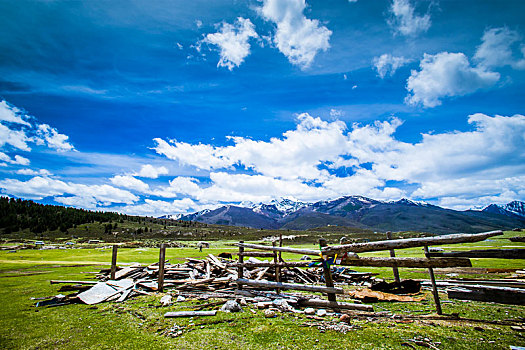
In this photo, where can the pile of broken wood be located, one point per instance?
(210, 275)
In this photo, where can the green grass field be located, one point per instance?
(139, 324)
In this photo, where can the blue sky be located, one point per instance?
(163, 107)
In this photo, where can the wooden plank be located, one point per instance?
(162, 258)
(277, 270)
(336, 305)
(484, 253)
(240, 270)
(434, 286)
(406, 262)
(273, 285)
(409, 243)
(190, 313)
(113, 261)
(393, 255)
(279, 249)
(272, 264)
(257, 254)
(73, 282)
(500, 295)
(327, 274)
(216, 261)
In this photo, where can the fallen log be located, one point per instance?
(408, 243)
(281, 285)
(272, 264)
(256, 254)
(406, 262)
(484, 253)
(336, 305)
(190, 313)
(501, 295)
(279, 249)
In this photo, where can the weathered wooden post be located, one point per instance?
(434, 286)
(280, 256)
(327, 273)
(240, 271)
(277, 269)
(162, 258)
(393, 255)
(114, 261)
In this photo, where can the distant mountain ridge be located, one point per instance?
(514, 208)
(367, 213)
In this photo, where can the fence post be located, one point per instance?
(393, 255)
(240, 271)
(114, 261)
(277, 269)
(162, 258)
(327, 274)
(434, 286)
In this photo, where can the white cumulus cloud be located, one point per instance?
(151, 171)
(297, 37)
(40, 187)
(304, 163)
(388, 64)
(233, 42)
(446, 75)
(496, 49)
(130, 182)
(404, 20)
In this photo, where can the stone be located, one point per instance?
(180, 298)
(243, 302)
(309, 311)
(282, 305)
(321, 312)
(166, 300)
(269, 313)
(264, 304)
(231, 306)
(345, 318)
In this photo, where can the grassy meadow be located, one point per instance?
(138, 323)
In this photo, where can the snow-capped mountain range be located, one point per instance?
(362, 212)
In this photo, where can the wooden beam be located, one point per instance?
(434, 286)
(484, 253)
(393, 255)
(500, 295)
(279, 249)
(190, 313)
(272, 264)
(327, 274)
(113, 262)
(406, 262)
(256, 254)
(273, 285)
(240, 270)
(277, 270)
(162, 259)
(409, 242)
